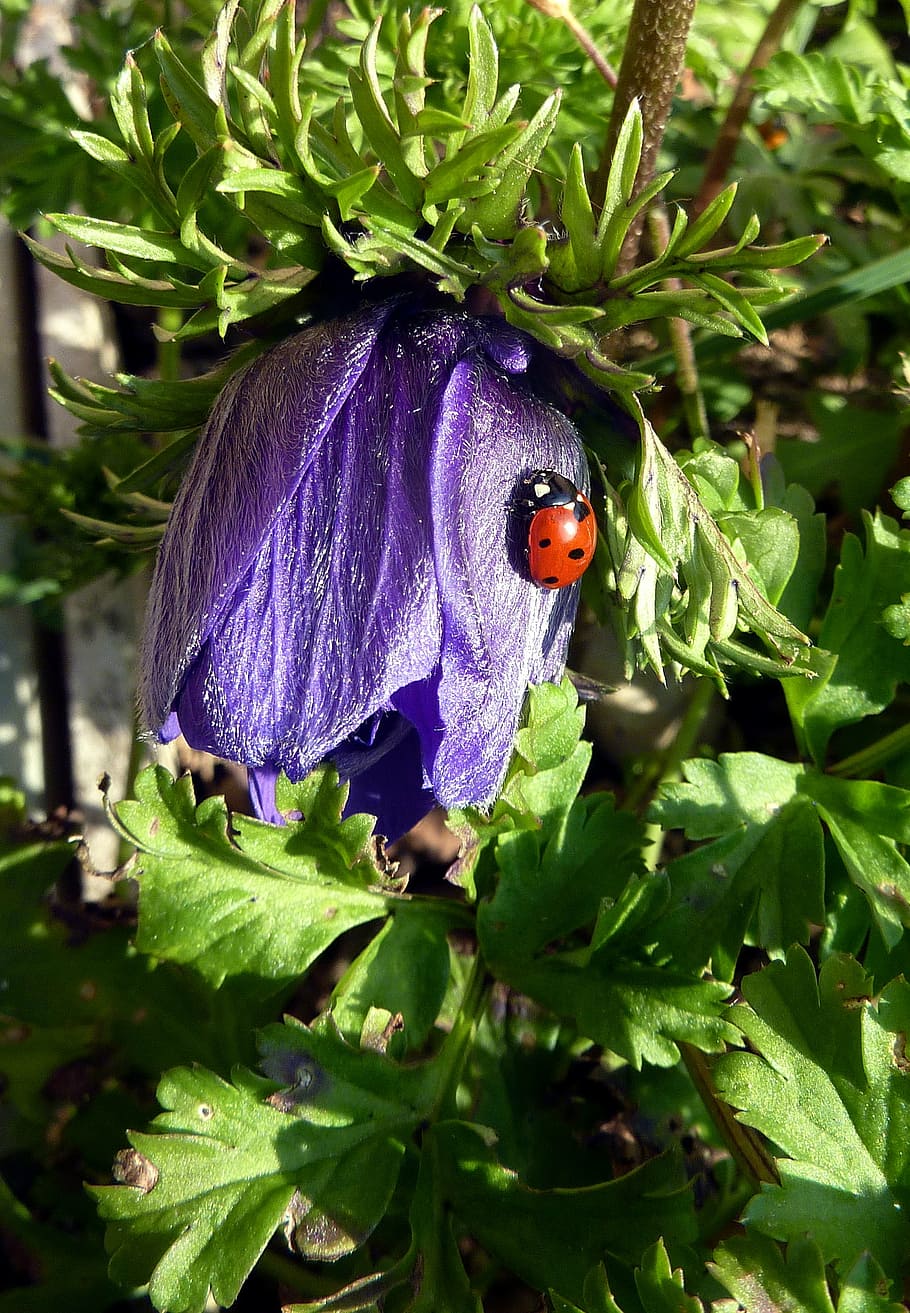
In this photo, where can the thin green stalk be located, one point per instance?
(868, 760)
(686, 374)
(169, 320)
(457, 1046)
(667, 765)
(745, 1145)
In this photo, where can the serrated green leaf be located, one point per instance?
(552, 1238)
(233, 1164)
(660, 1288)
(824, 1082)
(756, 1272)
(869, 662)
(135, 290)
(767, 814)
(260, 900)
(608, 987)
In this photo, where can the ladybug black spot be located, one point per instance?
(550, 579)
(543, 542)
(576, 554)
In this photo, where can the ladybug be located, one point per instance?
(562, 529)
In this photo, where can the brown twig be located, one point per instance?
(721, 156)
(562, 10)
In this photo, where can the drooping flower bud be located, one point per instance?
(343, 577)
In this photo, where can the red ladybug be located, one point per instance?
(562, 529)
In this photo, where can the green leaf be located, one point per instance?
(456, 175)
(576, 264)
(859, 470)
(768, 814)
(552, 885)
(132, 290)
(660, 1288)
(701, 230)
(248, 899)
(869, 662)
(483, 70)
(496, 215)
(235, 1161)
(101, 149)
(377, 123)
(614, 219)
(139, 243)
(553, 1238)
(826, 1082)
(404, 970)
(548, 888)
(188, 98)
(760, 1276)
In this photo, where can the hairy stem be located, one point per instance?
(721, 156)
(651, 63)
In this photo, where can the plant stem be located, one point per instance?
(745, 1145)
(860, 765)
(455, 1050)
(687, 379)
(562, 10)
(169, 319)
(651, 63)
(721, 156)
(667, 765)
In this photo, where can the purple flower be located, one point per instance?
(342, 575)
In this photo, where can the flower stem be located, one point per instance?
(686, 376)
(721, 156)
(562, 10)
(651, 63)
(865, 762)
(667, 764)
(169, 319)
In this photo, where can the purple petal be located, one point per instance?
(267, 427)
(392, 788)
(500, 631)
